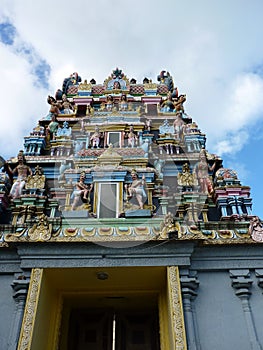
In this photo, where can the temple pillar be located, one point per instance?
(20, 289)
(259, 275)
(242, 283)
(189, 285)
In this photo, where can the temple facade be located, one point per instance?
(119, 230)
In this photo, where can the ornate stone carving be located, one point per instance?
(30, 311)
(37, 180)
(185, 178)
(168, 226)
(40, 231)
(256, 229)
(176, 308)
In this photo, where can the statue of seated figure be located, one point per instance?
(65, 130)
(81, 192)
(136, 189)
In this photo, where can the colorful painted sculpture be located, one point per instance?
(22, 170)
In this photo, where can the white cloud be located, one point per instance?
(20, 108)
(241, 109)
(210, 48)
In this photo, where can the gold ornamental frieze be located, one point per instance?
(168, 229)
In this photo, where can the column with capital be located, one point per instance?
(242, 283)
(20, 288)
(189, 286)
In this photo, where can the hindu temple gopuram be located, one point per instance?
(119, 230)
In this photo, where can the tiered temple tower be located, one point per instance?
(119, 230)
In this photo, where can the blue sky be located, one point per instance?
(212, 49)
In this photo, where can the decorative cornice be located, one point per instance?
(96, 230)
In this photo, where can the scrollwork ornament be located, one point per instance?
(30, 310)
(176, 307)
(40, 231)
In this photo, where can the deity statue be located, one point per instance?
(256, 229)
(22, 170)
(65, 130)
(178, 104)
(73, 79)
(67, 107)
(37, 180)
(147, 125)
(178, 124)
(109, 103)
(63, 167)
(116, 85)
(185, 178)
(117, 80)
(52, 128)
(102, 107)
(123, 105)
(203, 177)
(81, 192)
(165, 78)
(168, 104)
(136, 188)
(132, 137)
(96, 138)
(158, 165)
(54, 108)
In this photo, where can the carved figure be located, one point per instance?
(54, 107)
(256, 229)
(185, 178)
(168, 226)
(22, 170)
(168, 104)
(102, 106)
(117, 80)
(36, 181)
(96, 137)
(158, 164)
(109, 103)
(65, 130)
(63, 167)
(73, 79)
(116, 85)
(136, 188)
(52, 128)
(147, 125)
(178, 124)
(123, 105)
(165, 78)
(202, 169)
(178, 103)
(90, 110)
(132, 138)
(67, 107)
(41, 231)
(165, 128)
(82, 191)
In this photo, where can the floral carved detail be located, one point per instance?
(168, 226)
(37, 180)
(176, 308)
(40, 231)
(30, 310)
(256, 229)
